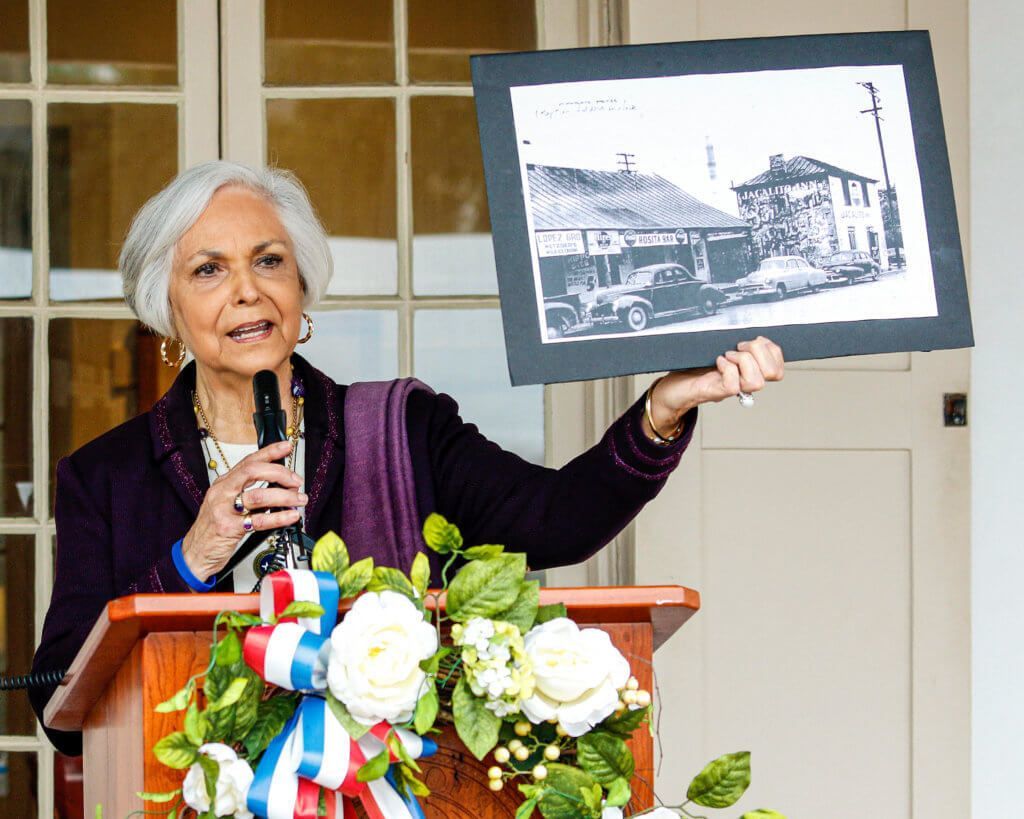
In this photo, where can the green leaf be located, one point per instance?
(330, 555)
(417, 787)
(222, 723)
(230, 696)
(426, 709)
(387, 579)
(605, 757)
(483, 552)
(722, 781)
(619, 793)
(229, 649)
(271, 716)
(150, 796)
(178, 702)
(374, 768)
(356, 577)
(526, 809)
(592, 797)
(211, 772)
(301, 608)
(476, 725)
(561, 786)
(762, 813)
(485, 587)
(431, 664)
(420, 573)
(247, 707)
(354, 729)
(400, 752)
(440, 535)
(175, 751)
(551, 611)
(195, 725)
(524, 610)
(239, 620)
(626, 723)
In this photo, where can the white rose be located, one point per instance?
(233, 781)
(578, 672)
(611, 813)
(375, 657)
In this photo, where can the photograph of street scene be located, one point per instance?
(704, 202)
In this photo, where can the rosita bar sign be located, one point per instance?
(637, 238)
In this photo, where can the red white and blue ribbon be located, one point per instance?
(314, 751)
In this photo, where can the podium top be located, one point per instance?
(127, 620)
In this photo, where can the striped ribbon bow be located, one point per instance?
(314, 750)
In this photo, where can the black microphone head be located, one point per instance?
(265, 391)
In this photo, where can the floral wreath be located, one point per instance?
(299, 716)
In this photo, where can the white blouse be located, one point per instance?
(245, 572)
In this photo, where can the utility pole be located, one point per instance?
(875, 110)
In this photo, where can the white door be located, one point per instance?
(827, 531)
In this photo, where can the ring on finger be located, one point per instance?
(746, 399)
(239, 504)
(247, 523)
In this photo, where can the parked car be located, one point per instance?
(850, 265)
(562, 314)
(779, 276)
(652, 292)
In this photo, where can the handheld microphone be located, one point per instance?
(291, 549)
(269, 418)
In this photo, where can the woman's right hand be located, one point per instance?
(214, 536)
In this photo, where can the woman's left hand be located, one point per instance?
(746, 369)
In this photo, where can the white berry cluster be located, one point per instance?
(495, 663)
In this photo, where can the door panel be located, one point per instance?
(827, 530)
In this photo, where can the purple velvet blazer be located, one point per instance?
(123, 499)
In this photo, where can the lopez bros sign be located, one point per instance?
(559, 243)
(634, 238)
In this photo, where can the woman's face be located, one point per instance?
(235, 291)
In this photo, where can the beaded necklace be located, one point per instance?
(294, 431)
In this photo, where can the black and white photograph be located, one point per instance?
(690, 203)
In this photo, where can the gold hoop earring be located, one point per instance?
(309, 331)
(181, 352)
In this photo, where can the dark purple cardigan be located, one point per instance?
(123, 499)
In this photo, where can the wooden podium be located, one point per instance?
(144, 647)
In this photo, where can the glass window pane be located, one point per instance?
(451, 248)
(344, 152)
(98, 369)
(14, 62)
(354, 345)
(19, 783)
(15, 199)
(17, 631)
(110, 42)
(443, 33)
(105, 161)
(16, 420)
(462, 352)
(323, 42)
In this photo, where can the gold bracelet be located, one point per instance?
(662, 440)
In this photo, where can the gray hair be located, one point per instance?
(148, 252)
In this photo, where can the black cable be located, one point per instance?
(36, 680)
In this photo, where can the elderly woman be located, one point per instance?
(223, 262)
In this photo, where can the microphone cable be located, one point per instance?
(38, 679)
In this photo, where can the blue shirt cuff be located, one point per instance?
(193, 582)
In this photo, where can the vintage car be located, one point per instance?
(850, 265)
(779, 276)
(562, 314)
(652, 292)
